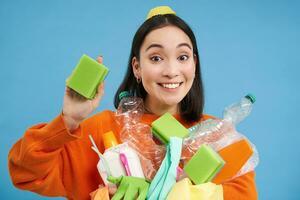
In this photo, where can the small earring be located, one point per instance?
(138, 79)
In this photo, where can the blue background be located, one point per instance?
(245, 46)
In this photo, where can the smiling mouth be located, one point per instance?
(170, 85)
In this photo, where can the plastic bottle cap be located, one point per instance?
(124, 94)
(251, 97)
(109, 140)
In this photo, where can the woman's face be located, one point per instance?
(166, 67)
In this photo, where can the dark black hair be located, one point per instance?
(191, 106)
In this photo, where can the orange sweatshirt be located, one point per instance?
(51, 161)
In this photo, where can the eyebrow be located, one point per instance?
(160, 46)
(154, 45)
(184, 44)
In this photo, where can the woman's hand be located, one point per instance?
(76, 108)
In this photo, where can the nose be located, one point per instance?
(171, 69)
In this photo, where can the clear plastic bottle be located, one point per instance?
(130, 109)
(237, 112)
(138, 134)
(218, 133)
(129, 102)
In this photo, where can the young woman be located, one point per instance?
(56, 159)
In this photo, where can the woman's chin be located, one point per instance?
(172, 101)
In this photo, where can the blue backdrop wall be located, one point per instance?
(245, 46)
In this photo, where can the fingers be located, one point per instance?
(131, 193)
(100, 90)
(100, 59)
(122, 190)
(99, 95)
(112, 190)
(74, 95)
(67, 89)
(118, 195)
(142, 193)
(114, 180)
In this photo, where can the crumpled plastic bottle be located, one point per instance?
(130, 109)
(138, 135)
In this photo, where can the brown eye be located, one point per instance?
(155, 58)
(183, 57)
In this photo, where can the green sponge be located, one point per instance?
(87, 76)
(204, 165)
(167, 126)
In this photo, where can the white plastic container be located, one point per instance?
(110, 162)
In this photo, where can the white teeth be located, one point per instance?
(170, 85)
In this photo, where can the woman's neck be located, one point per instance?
(159, 109)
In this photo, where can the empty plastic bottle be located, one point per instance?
(126, 102)
(129, 102)
(130, 108)
(137, 134)
(237, 112)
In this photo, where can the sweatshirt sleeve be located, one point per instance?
(35, 161)
(242, 187)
